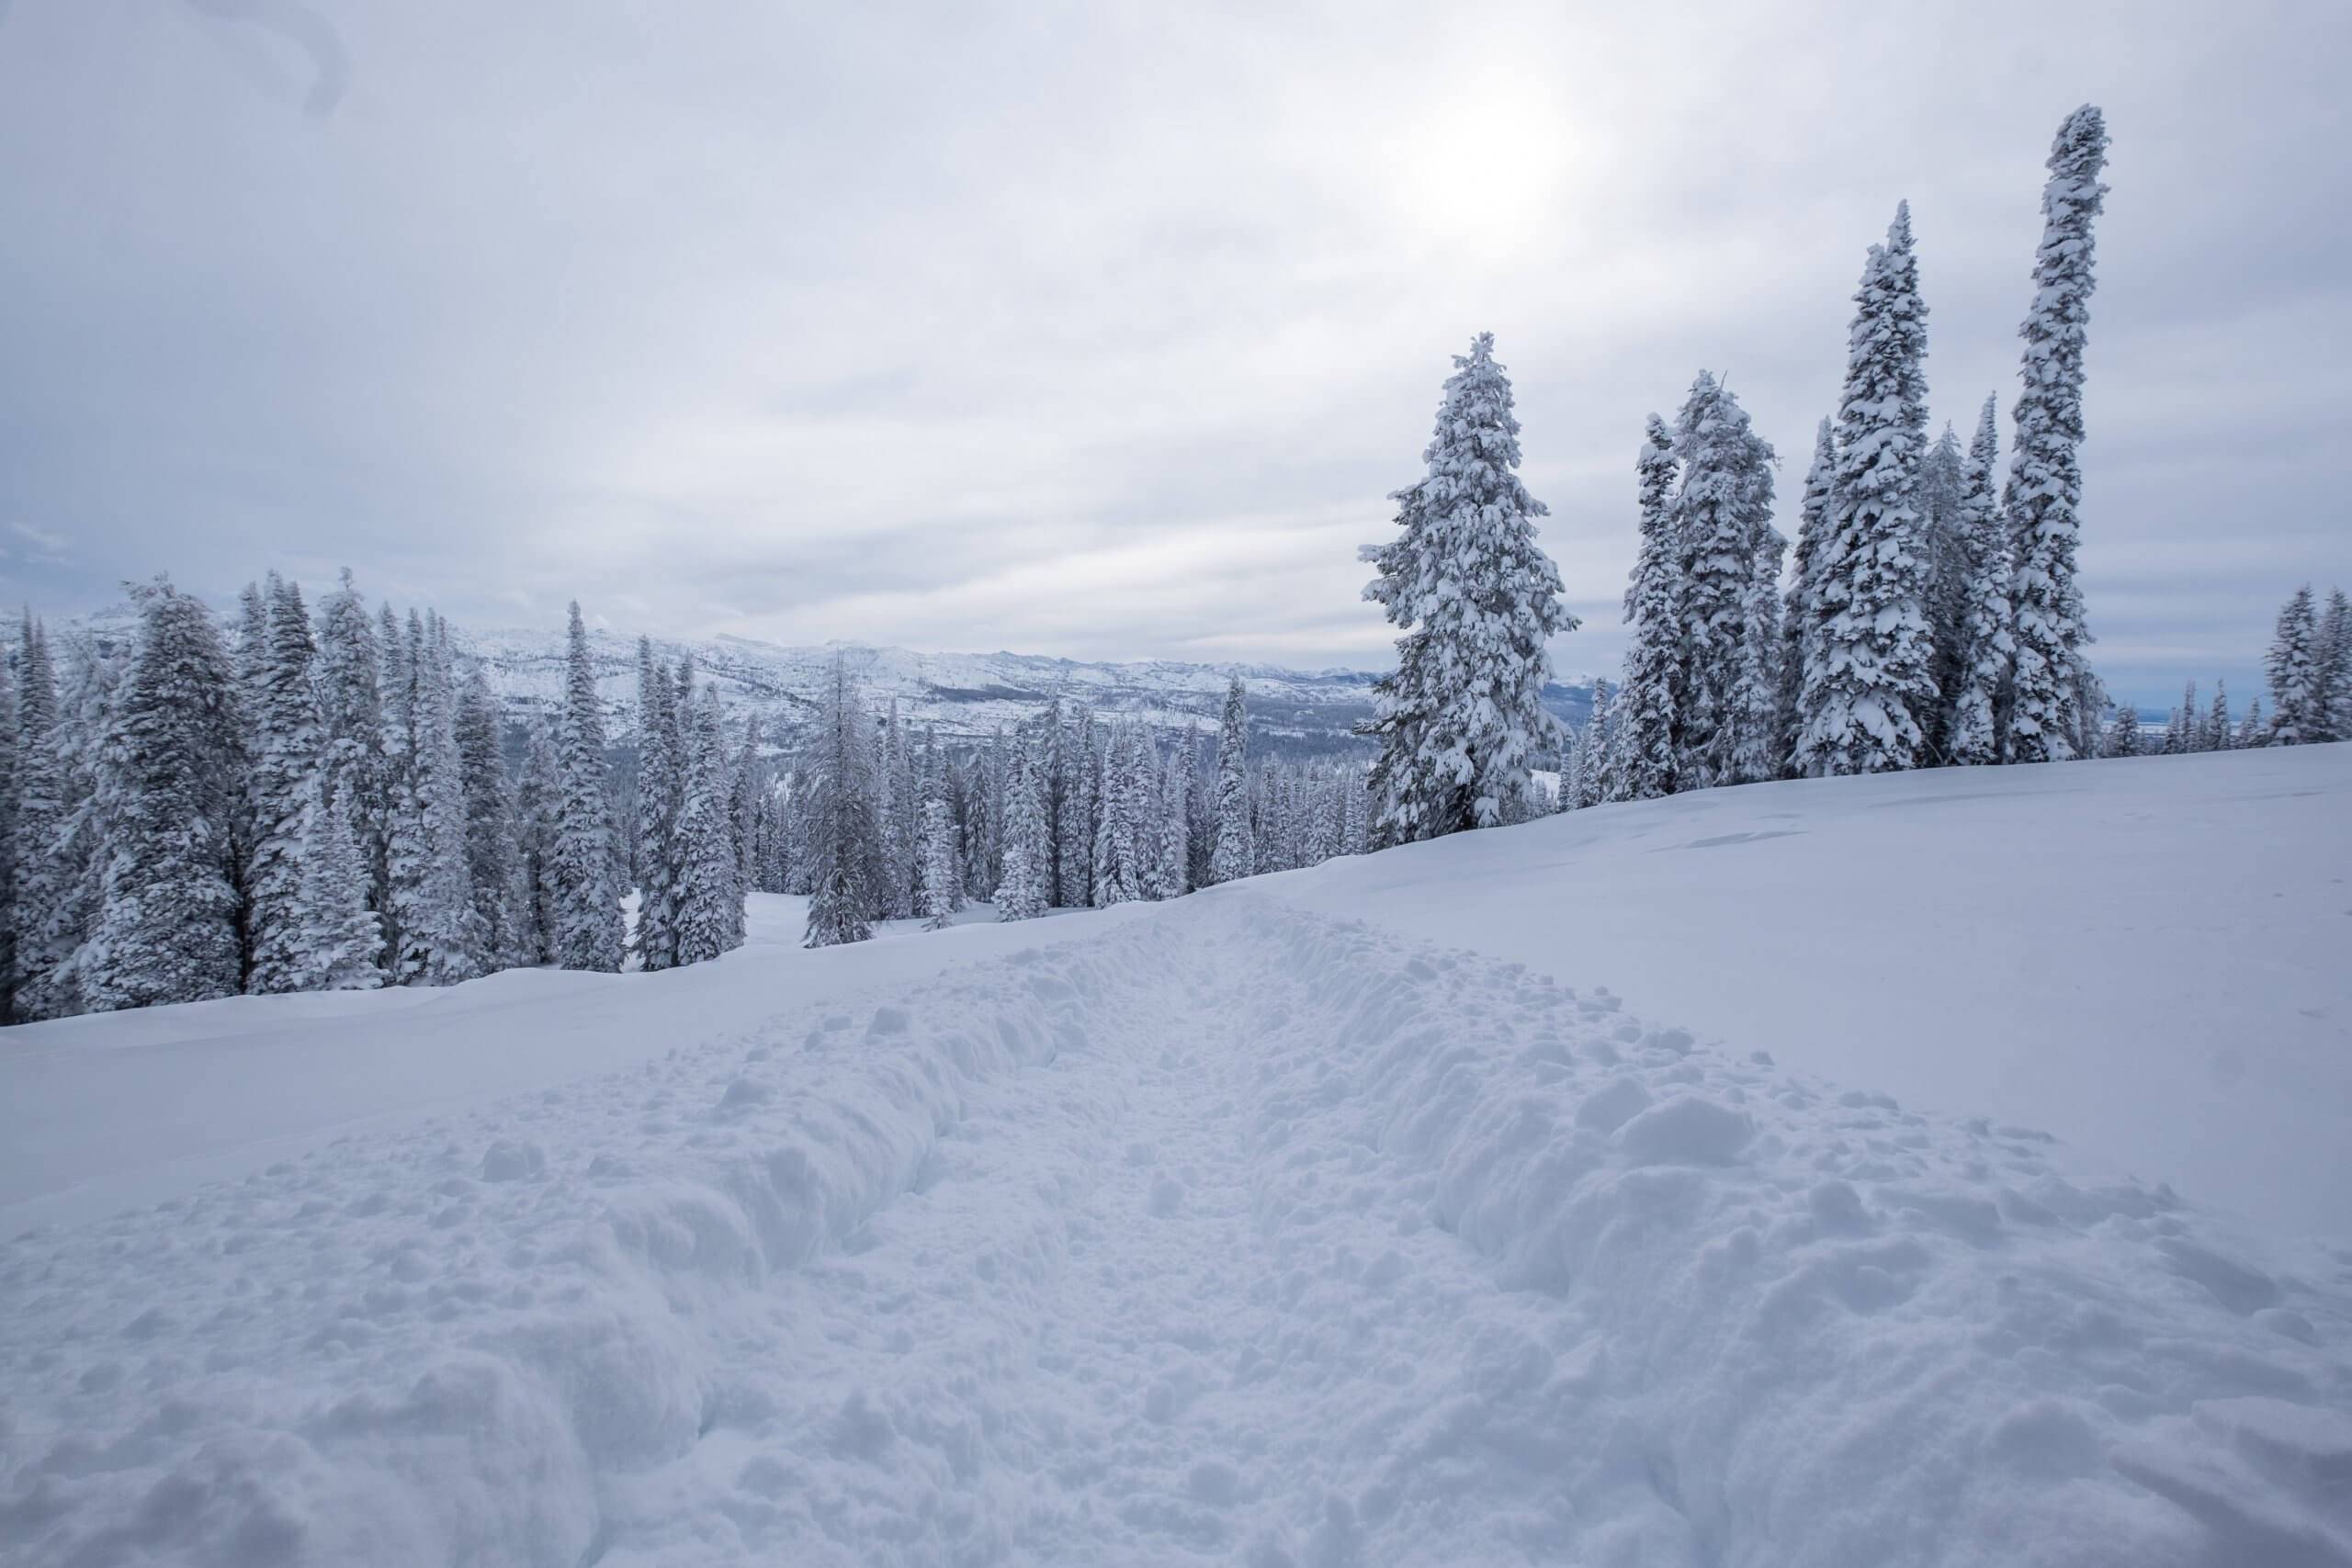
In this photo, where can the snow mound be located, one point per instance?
(1228, 1233)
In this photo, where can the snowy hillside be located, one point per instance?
(963, 694)
(1733, 1179)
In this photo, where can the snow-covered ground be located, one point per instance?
(1341, 1217)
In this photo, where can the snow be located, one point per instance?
(1309, 1220)
(2145, 955)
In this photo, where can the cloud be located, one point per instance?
(305, 29)
(1103, 331)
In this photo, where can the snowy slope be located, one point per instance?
(1230, 1230)
(2151, 957)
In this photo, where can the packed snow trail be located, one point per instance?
(1227, 1233)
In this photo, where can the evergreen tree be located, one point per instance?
(41, 894)
(342, 942)
(938, 898)
(659, 799)
(1172, 876)
(1942, 480)
(2045, 483)
(1721, 524)
(283, 765)
(441, 936)
(709, 895)
(347, 673)
(1981, 665)
(9, 766)
(489, 826)
(2251, 731)
(167, 926)
(1649, 709)
(587, 910)
(1585, 787)
(1870, 686)
(538, 795)
(842, 829)
(2331, 671)
(748, 779)
(2294, 674)
(897, 810)
(1235, 853)
(396, 685)
(1119, 837)
(61, 907)
(2124, 739)
(2186, 735)
(2217, 720)
(1798, 643)
(1478, 601)
(1021, 890)
(1077, 790)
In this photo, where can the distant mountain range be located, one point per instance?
(965, 695)
(962, 695)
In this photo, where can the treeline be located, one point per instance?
(318, 803)
(1069, 810)
(1930, 615)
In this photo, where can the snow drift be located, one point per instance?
(1226, 1231)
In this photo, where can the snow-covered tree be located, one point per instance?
(2294, 674)
(1235, 853)
(2123, 735)
(41, 890)
(659, 780)
(1173, 877)
(2045, 482)
(1868, 685)
(346, 675)
(842, 829)
(1021, 890)
(1797, 627)
(2217, 733)
(2331, 671)
(1729, 562)
(1980, 666)
(587, 909)
(490, 824)
(2251, 731)
(441, 936)
(538, 795)
(937, 897)
(1649, 706)
(341, 947)
(281, 783)
(1076, 793)
(708, 893)
(1461, 716)
(166, 927)
(1942, 478)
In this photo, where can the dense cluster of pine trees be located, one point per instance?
(2310, 671)
(1930, 615)
(1069, 811)
(325, 802)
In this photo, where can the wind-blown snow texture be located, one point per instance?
(1218, 1230)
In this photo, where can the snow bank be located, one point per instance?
(2147, 957)
(1230, 1234)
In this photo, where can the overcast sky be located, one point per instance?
(1105, 330)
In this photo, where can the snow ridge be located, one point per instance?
(1233, 1234)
